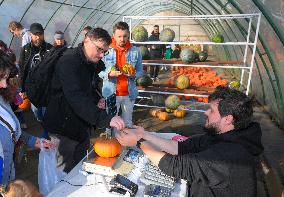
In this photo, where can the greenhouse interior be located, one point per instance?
(158, 98)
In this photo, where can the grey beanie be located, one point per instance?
(58, 36)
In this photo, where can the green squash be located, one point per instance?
(144, 52)
(167, 35)
(187, 55)
(139, 34)
(203, 55)
(217, 38)
(144, 81)
(172, 102)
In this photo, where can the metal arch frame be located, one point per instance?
(183, 11)
(91, 15)
(75, 15)
(258, 16)
(85, 22)
(279, 98)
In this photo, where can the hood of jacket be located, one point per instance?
(249, 138)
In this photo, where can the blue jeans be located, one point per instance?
(38, 112)
(126, 107)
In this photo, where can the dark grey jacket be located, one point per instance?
(29, 56)
(218, 165)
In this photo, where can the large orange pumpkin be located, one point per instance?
(26, 104)
(106, 146)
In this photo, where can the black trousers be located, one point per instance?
(69, 152)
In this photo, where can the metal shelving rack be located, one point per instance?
(244, 65)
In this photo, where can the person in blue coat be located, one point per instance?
(10, 129)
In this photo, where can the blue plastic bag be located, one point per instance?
(48, 174)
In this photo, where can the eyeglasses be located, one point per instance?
(100, 50)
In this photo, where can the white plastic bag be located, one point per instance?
(48, 174)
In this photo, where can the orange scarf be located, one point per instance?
(121, 82)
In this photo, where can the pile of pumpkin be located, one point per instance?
(185, 77)
(172, 105)
(198, 77)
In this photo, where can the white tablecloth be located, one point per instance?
(79, 184)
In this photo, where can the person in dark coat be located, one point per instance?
(30, 55)
(76, 104)
(223, 161)
(156, 52)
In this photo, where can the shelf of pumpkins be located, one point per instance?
(188, 82)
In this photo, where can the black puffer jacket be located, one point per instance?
(72, 109)
(30, 55)
(157, 50)
(218, 165)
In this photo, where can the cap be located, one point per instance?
(36, 28)
(58, 36)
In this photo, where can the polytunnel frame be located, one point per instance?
(278, 94)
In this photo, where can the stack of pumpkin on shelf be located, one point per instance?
(185, 77)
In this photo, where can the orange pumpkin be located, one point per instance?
(106, 146)
(163, 116)
(155, 112)
(26, 104)
(180, 112)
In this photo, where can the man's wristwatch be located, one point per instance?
(139, 142)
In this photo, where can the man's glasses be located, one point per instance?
(100, 50)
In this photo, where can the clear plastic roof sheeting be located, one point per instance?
(71, 16)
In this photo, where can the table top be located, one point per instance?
(79, 183)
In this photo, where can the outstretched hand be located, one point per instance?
(117, 122)
(46, 143)
(129, 137)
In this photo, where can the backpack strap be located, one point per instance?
(12, 132)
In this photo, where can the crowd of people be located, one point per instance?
(87, 93)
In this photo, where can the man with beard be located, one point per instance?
(116, 83)
(31, 54)
(222, 162)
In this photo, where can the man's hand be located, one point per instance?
(102, 103)
(23, 95)
(114, 73)
(117, 122)
(129, 137)
(46, 143)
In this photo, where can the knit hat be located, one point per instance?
(58, 36)
(36, 28)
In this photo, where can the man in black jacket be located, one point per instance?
(221, 162)
(31, 54)
(156, 52)
(76, 104)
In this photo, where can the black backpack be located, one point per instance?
(38, 81)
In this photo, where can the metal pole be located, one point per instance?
(253, 53)
(246, 50)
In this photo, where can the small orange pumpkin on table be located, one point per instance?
(107, 146)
